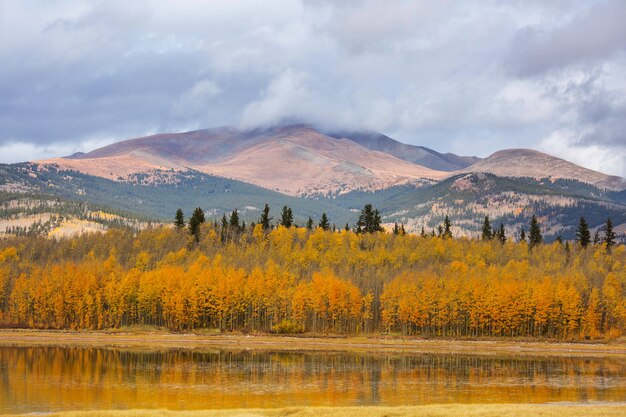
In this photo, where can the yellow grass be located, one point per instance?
(147, 337)
(452, 410)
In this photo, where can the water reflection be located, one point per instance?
(56, 378)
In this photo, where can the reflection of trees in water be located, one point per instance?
(169, 378)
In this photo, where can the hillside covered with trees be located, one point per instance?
(273, 276)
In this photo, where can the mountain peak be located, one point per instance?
(536, 164)
(293, 159)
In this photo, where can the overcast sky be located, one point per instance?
(465, 77)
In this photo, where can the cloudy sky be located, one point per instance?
(466, 77)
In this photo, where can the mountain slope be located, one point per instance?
(415, 154)
(468, 198)
(145, 198)
(303, 161)
(534, 164)
(295, 160)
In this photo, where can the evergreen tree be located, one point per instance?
(197, 218)
(522, 236)
(609, 235)
(324, 224)
(396, 229)
(369, 220)
(439, 231)
(423, 232)
(487, 232)
(243, 227)
(583, 236)
(559, 240)
(286, 217)
(223, 229)
(402, 230)
(500, 234)
(179, 221)
(534, 237)
(347, 227)
(309, 224)
(265, 218)
(234, 221)
(447, 228)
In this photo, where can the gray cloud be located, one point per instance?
(594, 34)
(468, 77)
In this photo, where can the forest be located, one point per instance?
(277, 277)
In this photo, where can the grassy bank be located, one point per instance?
(473, 410)
(150, 339)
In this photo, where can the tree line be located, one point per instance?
(280, 278)
(369, 221)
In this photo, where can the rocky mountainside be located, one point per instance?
(300, 160)
(294, 160)
(416, 154)
(315, 172)
(534, 164)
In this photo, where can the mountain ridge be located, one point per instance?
(300, 160)
(536, 164)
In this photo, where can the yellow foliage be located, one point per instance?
(314, 280)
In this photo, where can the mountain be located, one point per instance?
(294, 160)
(415, 154)
(157, 195)
(147, 179)
(534, 164)
(468, 198)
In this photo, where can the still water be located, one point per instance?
(42, 379)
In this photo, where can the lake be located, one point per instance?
(43, 379)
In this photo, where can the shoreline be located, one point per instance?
(434, 410)
(228, 341)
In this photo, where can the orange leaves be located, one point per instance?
(498, 302)
(330, 304)
(314, 280)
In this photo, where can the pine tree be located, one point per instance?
(324, 222)
(609, 235)
(487, 232)
(534, 237)
(447, 228)
(223, 229)
(197, 218)
(583, 236)
(309, 224)
(265, 218)
(522, 236)
(596, 238)
(559, 240)
(423, 232)
(347, 227)
(179, 223)
(500, 234)
(286, 217)
(369, 220)
(396, 229)
(402, 230)
(234, 221)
